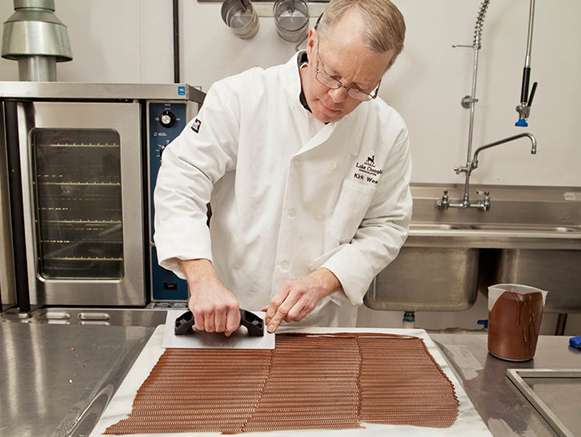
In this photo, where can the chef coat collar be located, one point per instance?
(302, 60)
(291, 76)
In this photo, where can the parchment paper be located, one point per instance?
(468, 422)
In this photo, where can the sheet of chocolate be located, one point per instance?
(350, 383)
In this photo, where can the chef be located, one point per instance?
(307, 172)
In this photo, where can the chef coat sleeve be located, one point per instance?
(191, 165)
(382, 232)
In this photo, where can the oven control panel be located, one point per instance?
(166, 120)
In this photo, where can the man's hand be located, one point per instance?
(214, 307)
(296, 298)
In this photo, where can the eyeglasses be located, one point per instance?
(330, 82)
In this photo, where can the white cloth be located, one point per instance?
(289, 195)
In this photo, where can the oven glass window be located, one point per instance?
(77, 185)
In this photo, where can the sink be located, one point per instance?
(530, 236)
(447, 282)
(556, 271)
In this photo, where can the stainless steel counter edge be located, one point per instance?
(494, 240)
(95, 316)
(100, 91)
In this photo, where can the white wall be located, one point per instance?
(131, 41)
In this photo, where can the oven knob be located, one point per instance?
(167, 119)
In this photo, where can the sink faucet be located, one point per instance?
(484, 204)
(469, 102)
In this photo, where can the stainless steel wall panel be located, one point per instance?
(7, 280)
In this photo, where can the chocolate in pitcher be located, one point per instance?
(513, 325)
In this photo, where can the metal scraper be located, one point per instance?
(240, 339)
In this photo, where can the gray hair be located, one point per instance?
(385, 24)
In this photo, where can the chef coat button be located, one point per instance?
(312, 266)
(292, 212)
(333, 166)
(319, 215)
(297, 159)
(354, 151)
(285, 266)
(293, 107)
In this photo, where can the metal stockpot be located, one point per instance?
(292, 19)
(240, 17)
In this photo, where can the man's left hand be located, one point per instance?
(296, 298)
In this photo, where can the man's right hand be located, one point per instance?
(214, 307)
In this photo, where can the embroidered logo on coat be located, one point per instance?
(367, 171)
(196, 125)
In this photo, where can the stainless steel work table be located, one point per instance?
(52, 376)
(48, 389)
(504, 409)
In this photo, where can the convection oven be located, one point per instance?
(80, 166)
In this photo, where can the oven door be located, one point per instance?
(82, 202)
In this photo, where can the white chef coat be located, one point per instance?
(289, 194)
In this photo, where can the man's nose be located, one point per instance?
(338, 95)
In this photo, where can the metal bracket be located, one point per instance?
(517, 375)
(467, 101)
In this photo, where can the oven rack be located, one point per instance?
(83, 258)
(85, 222)
(89, 145)
(90, 184)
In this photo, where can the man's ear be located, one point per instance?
(312, 39)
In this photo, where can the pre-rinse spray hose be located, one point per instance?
(480, 24)
(526, 100)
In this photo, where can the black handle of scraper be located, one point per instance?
(254, 324)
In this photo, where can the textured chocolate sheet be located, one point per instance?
(308, 382)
